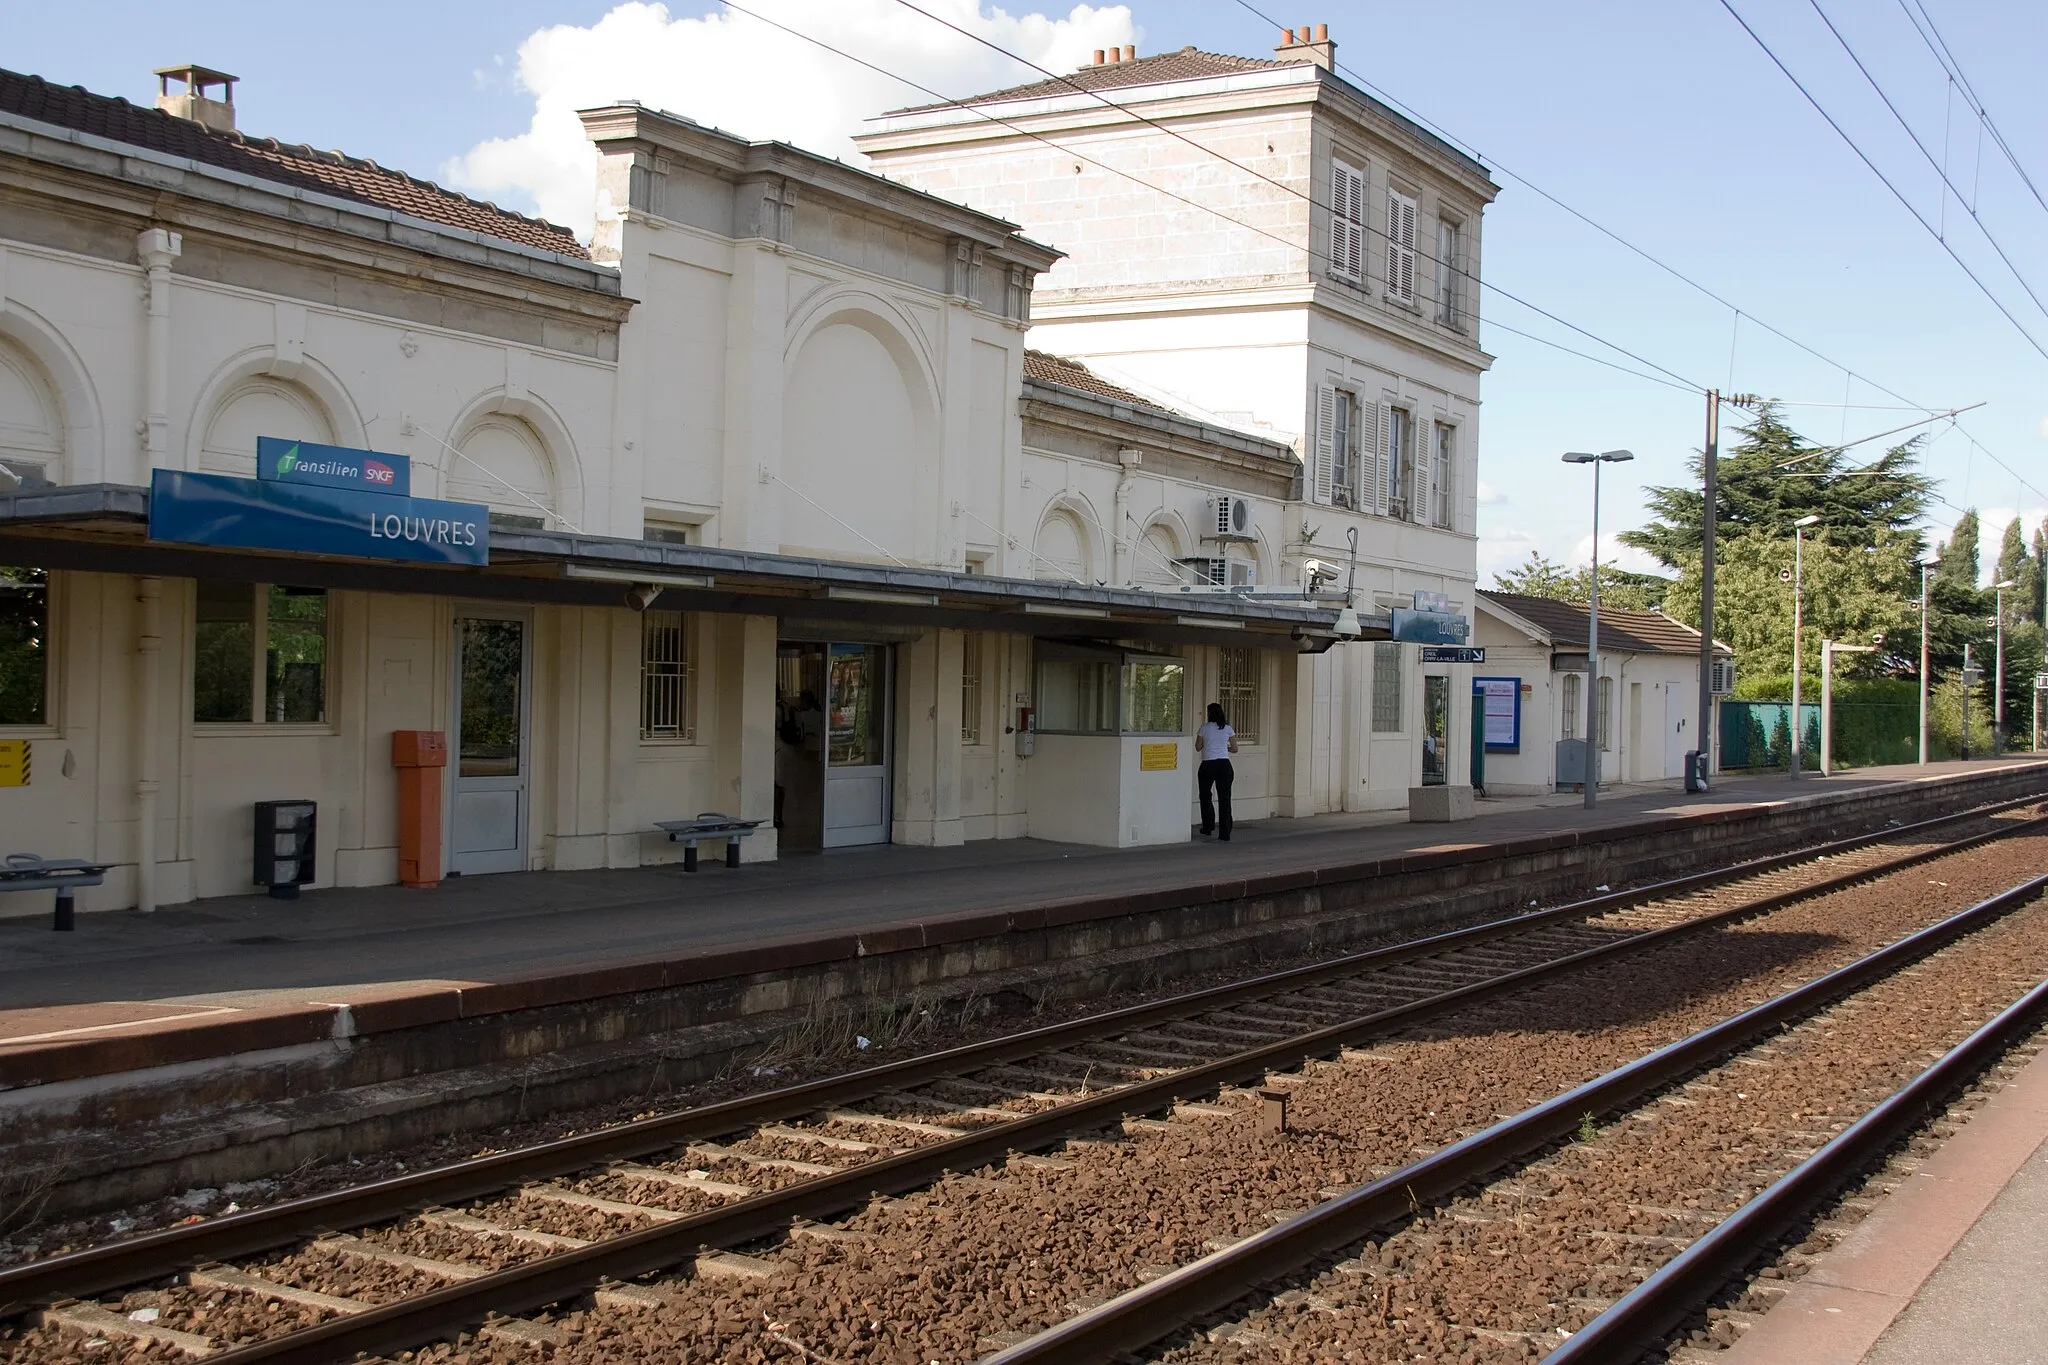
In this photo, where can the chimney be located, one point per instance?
(1098, 57)
(1130, 53)
(1296, 45)
(192, 102)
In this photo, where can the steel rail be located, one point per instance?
(1640, 1320)
(153, 1255)
(534, 1284)
(1149, 1312)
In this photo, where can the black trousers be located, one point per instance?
(1216, 774)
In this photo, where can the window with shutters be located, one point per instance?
(1400, 447)
(1450, 280)
(1400, 246)
(1237, 689)
(1347, 221)
(1344, 451)
(1442, 460)
(1574, 706)
(665, 677)
(1386, 688)
(970, 688)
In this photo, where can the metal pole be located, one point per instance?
(1966, 703)
(1923, 664)
(1998, 677)
(1708, 474)
(1827, 707)
(1593, 658)
(1798, 618)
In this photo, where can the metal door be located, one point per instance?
(856, 745)
(488, 807)
(1677, 724)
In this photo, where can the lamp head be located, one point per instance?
(1347, 627)
(1617, 456)
(2008, 583)
(1579, 457)
(1810, 519)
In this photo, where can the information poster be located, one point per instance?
(1502, 712)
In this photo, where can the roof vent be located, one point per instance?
(1297, 45)
(192, 102)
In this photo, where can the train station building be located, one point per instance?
(771, 511)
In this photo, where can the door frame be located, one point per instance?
(494, 612)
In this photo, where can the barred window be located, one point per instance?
(970, 689)
(1574, 706)
(1237, 688)
(665, 677)
(1386, 688)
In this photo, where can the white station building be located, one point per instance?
(783, 518)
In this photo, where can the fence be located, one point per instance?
(1758, 734)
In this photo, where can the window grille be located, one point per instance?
(1386, 688)
(1603, 720)
(1237, 688)
(665, 677)
(970, 689)
(1574, 707)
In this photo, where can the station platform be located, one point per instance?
(1952, 1266)
(233, 975)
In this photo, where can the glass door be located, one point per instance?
(488, 819)
(856, 745)
(1436, 730)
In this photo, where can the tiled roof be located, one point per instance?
(1072, 374)
(1623, 630)
(346, 177)
(1184, 65)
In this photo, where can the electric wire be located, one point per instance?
(1946, 57)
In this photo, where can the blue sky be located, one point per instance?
(1663, 121)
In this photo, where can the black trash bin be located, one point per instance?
(285, 846)
(1695, 770)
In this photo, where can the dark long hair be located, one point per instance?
(1216, 716)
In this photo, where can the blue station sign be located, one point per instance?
(315, 518)
(1428, 627)
(285, 461)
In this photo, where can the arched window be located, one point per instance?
(1155, 561)
(260, 406)
(1062, 549)
(504, 465)
(31, 422)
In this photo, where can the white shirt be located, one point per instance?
(1214, 740)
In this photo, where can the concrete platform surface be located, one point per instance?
(1953, 1266)
(239, 973)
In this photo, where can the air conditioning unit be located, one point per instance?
(1243, 573)
(1721, 678)
(1208, 571)
(1230, 518)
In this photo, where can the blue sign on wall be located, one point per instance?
(1428, 627)
(311, 518)
(331, 466)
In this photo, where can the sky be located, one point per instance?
(1665, 123)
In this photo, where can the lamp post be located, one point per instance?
(1998, 684)
(1926, 564)
(1593, 624)
(1798, 619)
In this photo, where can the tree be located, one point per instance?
(1852, 594)
(1772, 477)
(1540, 576)
(2023, 635)
(1959, 552)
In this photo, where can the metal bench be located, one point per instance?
(30, 872)
(708, 825)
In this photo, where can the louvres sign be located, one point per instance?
(317, 499)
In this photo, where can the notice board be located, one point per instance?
(1503, 713)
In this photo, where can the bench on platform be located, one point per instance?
(708, 825)
(31, 872)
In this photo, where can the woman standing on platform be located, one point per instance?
(1216, 742)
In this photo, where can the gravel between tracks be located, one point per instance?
(934, 1274)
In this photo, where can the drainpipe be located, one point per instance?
(1120, 539)
(157, 248)
(148, 670)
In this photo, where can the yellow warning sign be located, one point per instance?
(1158, 758)
(14, 762)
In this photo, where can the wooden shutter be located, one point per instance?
(1400, 246)
(1372, 457)
(1347, 220)
(1323, 451)
(1420, 508)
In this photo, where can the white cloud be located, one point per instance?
(737, 73)
(1618, 555)
(1489, 496)
(1501, 550)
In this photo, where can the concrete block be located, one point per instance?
(1439, 803)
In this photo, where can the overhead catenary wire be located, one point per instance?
(1946, 57)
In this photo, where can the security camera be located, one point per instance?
(641, 595)
(1784, 575)
(1878, 638)
(1319, 573)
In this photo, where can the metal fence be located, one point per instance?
(1758, 734)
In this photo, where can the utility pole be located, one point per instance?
(1926, 565)
(1968, 670)
(1711, 458)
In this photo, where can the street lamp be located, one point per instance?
(1927, 562)
(1998, 685)
(1593, 623)
(1798, 618)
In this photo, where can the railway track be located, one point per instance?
(597, 1211)
(1613, 1235)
